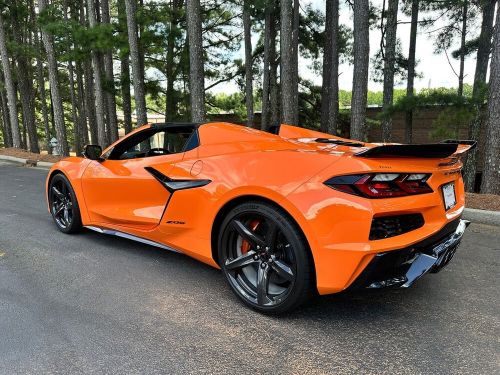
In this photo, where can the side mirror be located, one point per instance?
(92, 152)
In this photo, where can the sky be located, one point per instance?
(435, 69)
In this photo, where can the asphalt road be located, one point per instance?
(93, 304)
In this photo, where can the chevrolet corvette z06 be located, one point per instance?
(283, 214)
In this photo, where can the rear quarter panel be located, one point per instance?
(269, 174)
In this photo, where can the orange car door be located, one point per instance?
(123, 192)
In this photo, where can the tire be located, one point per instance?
(265, 258)
(64, 205)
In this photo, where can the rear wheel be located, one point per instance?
(63, 205)
(265, 258)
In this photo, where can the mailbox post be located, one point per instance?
(55, 146)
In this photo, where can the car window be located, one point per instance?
(153, 142)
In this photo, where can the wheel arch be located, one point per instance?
(52, 173)
(72, 169)
(228, 206)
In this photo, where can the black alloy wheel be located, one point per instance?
(265, 258)
(63, 205)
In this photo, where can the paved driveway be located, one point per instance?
(92, 304)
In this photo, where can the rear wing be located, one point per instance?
(441, 150)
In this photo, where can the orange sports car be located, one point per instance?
(284, 214)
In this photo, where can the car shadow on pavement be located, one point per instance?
(364, 305)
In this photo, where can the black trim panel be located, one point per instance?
(174, 185)
(166, 125)
(395, 263)
(472, 143)
(424, 151)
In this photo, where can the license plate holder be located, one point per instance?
(449, 196)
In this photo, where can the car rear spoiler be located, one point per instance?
(441, 150)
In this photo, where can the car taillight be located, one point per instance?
(382, 185)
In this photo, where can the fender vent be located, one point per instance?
(390, 226)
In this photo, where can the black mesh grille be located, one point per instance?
(390, 226)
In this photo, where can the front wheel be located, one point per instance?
(265, 258)
(63, 205)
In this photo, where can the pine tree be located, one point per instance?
(109, 74)
(98, 85)
(361, 62)
(56, 98)
(286, 64)
(389, 65)
(269, 43)
(248, 62)
(7, 135)
(330, 87)
(9, 85)
(138, 76)
(24, 73)
(491, 171)
(415, 5)
(196, 68)
(482, 60)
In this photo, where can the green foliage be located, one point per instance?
(428, 97)
(231, 103)
(451, 121)
(457, 114)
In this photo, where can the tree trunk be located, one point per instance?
(171, 111)
(330, 87)
(140, 30)
(482, 60)
(125, 89)
(82, 108)
(125, 71)
(247, 31)
(98, 90)
(87, 89)
(491, 172)
(26, 90)
(268, 20)
(5, 130)
(26, 93)
(109, 74)
(411, 68)
(74, 111)
(41, 93)
(295, 60)
(90, 101)
(9, 86)
(287, 61)
(138, 79)
(361, 61)
(54, 87)
(7, 135)
(273, 77)
(389, 65)
(460, 90)
(196, 71)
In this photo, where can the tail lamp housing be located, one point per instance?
(381, 185)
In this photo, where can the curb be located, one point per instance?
(44, 164)
(31, 163)
(482, 216)
(13, 158)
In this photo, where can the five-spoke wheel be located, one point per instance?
(264, 257)
(63, 204)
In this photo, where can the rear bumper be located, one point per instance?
(401, 268)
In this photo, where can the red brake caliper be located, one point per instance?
(245, 245)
